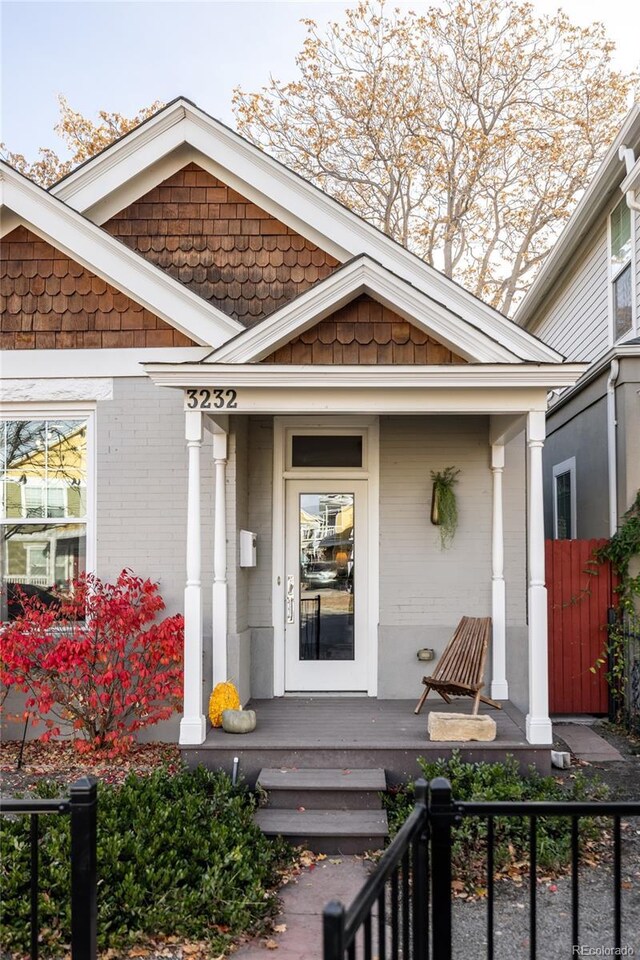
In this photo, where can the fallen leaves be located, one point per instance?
(57, 760)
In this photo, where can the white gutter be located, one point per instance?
(627, 154)
(612, 452)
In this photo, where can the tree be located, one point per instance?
(83, 139)
(95, 659)
(465, 133)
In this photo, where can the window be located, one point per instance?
(318, 450)
(621, 274)
(44, 506)
(564, 500)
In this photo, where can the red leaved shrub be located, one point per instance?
(96, 659)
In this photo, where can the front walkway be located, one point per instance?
(336, 878)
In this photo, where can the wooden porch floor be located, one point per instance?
(358, 732)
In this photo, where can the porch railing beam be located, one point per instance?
(538, 724)
(192, 725)
(499, 686)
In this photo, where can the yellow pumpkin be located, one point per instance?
(224, 697)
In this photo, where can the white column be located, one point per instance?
(192, 725)
(538, 722)
(220, 559)
(499, 686)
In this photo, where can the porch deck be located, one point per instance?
(358, 732)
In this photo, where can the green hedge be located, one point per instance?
(177, 855)
(502, 781)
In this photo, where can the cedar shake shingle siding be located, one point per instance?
(364, 331)
(48, 301)
(220, 245)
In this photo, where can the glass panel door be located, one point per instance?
(326, 633)
(326, 604)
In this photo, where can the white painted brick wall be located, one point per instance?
(142, 489)
(420, 583)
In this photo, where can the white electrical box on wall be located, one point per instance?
(248, 550)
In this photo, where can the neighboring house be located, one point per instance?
(585, 302)
(264, 383)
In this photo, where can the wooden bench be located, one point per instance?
(460, 671)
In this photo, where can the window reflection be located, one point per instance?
(327, 576)
(44, 466)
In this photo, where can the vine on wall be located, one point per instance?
(621, 550)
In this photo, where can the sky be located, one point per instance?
(121, 56)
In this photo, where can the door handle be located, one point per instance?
(291, 586)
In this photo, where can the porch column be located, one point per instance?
(192, 725)
(538, 722)
(220, 557)
(499, 686)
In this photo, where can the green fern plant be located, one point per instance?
(444, 506)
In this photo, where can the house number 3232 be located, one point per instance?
(211, 399)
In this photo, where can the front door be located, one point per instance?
(325, 585)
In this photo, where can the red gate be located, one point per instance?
(579, 592)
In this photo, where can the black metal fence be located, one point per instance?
(81, 807)
(416, 922)
(390, 910)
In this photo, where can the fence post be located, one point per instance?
(333, 931)
(441, 813)
(420, 879)
(84, 901)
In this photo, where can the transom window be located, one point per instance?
(43, 507)
(318, 450)
(621, 272)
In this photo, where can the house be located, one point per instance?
(265, 383)
(585, 302)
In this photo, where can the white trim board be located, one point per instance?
(65, 390)
(112, 260)
(362, 275)
(351, 377)
(122, 362)
(287, 196)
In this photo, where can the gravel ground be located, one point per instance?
(511, 923)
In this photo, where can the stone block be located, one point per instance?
(460, 726)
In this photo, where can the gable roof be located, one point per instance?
(608, 179)
(357, 276)
(96, 250)
(181, 131)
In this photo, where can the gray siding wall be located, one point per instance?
(575, 317)
(579, 429)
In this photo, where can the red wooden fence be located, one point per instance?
(579, 593)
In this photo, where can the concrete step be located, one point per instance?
(327, 831)
(335, 789)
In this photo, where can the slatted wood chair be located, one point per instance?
(460, 671)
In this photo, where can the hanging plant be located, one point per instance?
(444, 507)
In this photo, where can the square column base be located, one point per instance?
(539, 730)
(193, 731)
(500, 690)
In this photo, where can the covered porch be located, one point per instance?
(359, 733)
(415, 388)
